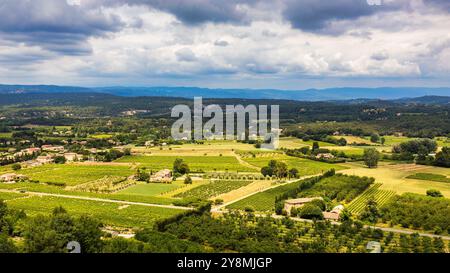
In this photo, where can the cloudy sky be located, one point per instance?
(289, 44)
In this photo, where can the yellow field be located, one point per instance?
(355, 139)
(393, 177)
(211, 148)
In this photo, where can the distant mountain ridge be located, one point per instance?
(402, 94)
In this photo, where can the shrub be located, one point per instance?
(310, 211)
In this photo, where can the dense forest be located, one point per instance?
(355, 117)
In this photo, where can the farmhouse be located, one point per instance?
(51, 148)
(44, 159)
(162, 176)
(11, 177)
(334, 213)
(31, 150)
(325, 156)
(72, 157)
(299, 202)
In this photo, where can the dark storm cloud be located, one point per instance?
(192, 12)
(54, 25)
(317, 16)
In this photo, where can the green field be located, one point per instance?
(214, 188)
(152, 189)
(108, 213)
(263, 201)
(196, 163)
(5, 169)
(101, 136)
(380, 196)
(430, 177)
(394, 140)
(74, 174)
(295, 143)
(5, 135)
(10, 195)
(38, 187)
(304, 166)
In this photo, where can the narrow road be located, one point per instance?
(245, 163)
(99, 199)
(395, 230)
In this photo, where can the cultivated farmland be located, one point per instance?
(196, 163)
(380, 196)
(108, 213)
(214, 188)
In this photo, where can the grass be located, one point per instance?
(393, 140)
(10, 195)
(196, 163)
(101, 136)
(74, 174)
(152, 189)
(295, 143)
(214, 188)
(430, 177)
(380, 196)
(304, 166)
(107, 213)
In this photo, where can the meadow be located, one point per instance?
(74, 174)
(196, 163)
(108, 213)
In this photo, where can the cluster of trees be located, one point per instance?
(278, 169)
(52, 233)
(371, 157)
(306, 152)
(338, 187)
(18, 158)
(418, 212)
(180, 167)
(332, 187)
(409, 149)
(303, 185)
(112, 154)
(421, 150)
(253, 234)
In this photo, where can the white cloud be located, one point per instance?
(154, 47)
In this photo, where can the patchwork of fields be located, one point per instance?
(213, 157)
(74, 174)
(196, 163)
(304, 166)
(108, 213)
(395, 178)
